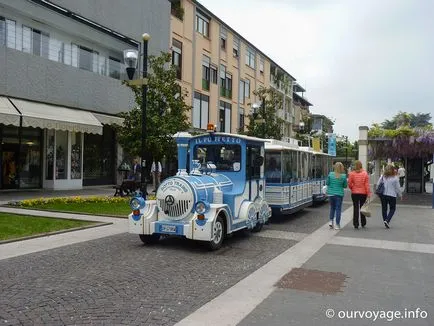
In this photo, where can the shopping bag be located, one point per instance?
(365, 209)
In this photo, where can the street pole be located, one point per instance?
(346, 152)
(263, 117)
(144, 170)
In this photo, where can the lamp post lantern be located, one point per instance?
(131, 59)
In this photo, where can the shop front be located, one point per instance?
(54, 147)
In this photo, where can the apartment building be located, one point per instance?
(220, 70)
(61, 71)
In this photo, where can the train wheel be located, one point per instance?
(149, 239)
(258, 227)
(217, 234)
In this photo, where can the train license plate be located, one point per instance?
(168, 228)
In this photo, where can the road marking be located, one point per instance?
(383, 244)
(233, 305)
(277, 234)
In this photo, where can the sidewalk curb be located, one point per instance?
(40, 235)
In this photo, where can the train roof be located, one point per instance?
(280, 145)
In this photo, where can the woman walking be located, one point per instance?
(336, 183)
(358, 182)
(391, 191)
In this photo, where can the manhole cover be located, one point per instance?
(313, 281)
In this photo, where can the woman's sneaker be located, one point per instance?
(337, 227)
(386, 224)
(331, 224)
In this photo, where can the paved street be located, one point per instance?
(115, 279)
(118, 280)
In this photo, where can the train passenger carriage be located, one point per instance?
(322, 164)
(223, 192)
(288, 176)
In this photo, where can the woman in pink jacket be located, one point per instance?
(358, 182)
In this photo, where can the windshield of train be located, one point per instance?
(225, 157)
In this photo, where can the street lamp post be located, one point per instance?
(131, 58)
(346, 151)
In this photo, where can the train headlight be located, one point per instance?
(137, 203)
(202, 207)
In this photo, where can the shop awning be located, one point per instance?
(8, 114)
(39, 115)
(109, 119)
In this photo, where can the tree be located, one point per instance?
(166, 112)
(420, 120)
(263, 121)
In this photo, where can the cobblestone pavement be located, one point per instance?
(117, 280)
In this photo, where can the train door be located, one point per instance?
(254, 163)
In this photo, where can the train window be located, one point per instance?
(273, 167)
(253, 171)
(225, 157)
(287, 163)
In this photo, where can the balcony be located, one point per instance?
(205, 85)
(226, 93)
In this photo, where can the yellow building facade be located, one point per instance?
(220, 71)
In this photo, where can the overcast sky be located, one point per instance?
(359, 61)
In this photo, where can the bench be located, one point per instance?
(126, 188)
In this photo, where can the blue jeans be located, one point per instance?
(388, 201)
(336, 208)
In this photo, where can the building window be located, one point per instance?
(76, 155)
(200, 110)
(241, 119)
(85, 58)
(114, 68)
(225, 117)
(236, 47)
(223, 37)
(202, 24)
(206, 61)
(177, 57)
(225, 83)
(213, 74)
(247, 88)
(7, 33)
(2, 31)
(241, 91)
(35, 42)
(250, 58)
(261, 65)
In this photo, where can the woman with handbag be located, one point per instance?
(358, 182)
(391, 190)
(336, 183)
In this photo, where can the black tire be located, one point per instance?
(149, 239)
(218, 234)
(258, 227)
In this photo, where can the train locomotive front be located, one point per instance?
(203, 205)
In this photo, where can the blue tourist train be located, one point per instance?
(223, 191)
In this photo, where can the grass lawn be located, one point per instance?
(14, 226)
(121, 209)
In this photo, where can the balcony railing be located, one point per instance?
(205, 84)
(226, 92)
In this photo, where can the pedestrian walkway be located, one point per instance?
(329, 275)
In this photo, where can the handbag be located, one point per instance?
(380, 188)
(365, 209)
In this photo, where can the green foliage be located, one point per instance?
(420, 120)
(377, 132)
(166, 112)
(265, 123)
